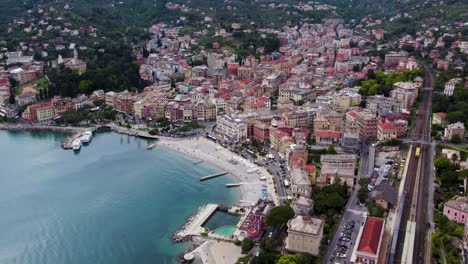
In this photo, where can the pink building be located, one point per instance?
(457, 209)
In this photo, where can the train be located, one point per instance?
(418, 152)
(391, 257)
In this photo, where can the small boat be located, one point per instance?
(149, 147)
(76, 144)
(86, 137)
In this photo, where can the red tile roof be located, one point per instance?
(387, 126)
(370, 238)
(327, 134)
(441, 115)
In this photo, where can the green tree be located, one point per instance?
(376, 210)
(246, 245)
(279, 215)
(442, 164)
(11, 99)
(287, 259)
(455, 139)
(363, 194)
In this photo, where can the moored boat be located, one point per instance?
(76, 144)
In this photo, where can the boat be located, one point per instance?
(149, 147)
(86, 137)
(76, 144)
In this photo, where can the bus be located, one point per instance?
(418, 152)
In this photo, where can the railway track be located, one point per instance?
(418, 203)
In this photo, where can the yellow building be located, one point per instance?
(304, 234)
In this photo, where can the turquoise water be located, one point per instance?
(225, 231)
(113, 202)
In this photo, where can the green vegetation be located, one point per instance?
(287, 259)
(247, 244)
(363, 192)
(243, 260)
(74, 117)
(279, 215)
(455, 106)
(329, 202)
(114, 70)
(376, 210)
(382, 83)
(189, 127)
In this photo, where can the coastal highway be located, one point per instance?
(418, 182)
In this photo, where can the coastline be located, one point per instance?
(201, 149)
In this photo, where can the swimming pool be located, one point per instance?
(226, 231)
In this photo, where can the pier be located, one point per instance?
(231, 185)
(67, 142)
(204, 178)
(194, 225)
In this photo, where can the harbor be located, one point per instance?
(194, 225)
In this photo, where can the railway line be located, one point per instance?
(413, 222)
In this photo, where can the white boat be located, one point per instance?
(86, 137)
(76, 144)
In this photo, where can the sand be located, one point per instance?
(207, 151)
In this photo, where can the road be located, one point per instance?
(273, 166)
(418, 196)
(352, 212)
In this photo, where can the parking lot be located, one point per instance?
(347, 238)
(386, 164)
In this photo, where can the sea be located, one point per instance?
(111, 202)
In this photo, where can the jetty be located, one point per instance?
(197, 162)
(204, 178)
(194, 225)
(231, 185)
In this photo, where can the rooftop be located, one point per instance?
(305, 224)
(370, 238)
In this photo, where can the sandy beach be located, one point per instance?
(207, 151)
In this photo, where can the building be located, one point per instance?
(386, 131)
(384, 195)
(231, 128)
(39, 112)
(439, 118)
(395, 57)
(300, 183)
(369, 238)
(455, 129)
(346, 100)
(25, 99)
(342, 166)
(254, 223)
(450, 86)
(367, 122)
(304, 234)
(261, 131)
(457, 209)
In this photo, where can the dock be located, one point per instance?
(204, 178)
(67, 142)
(231, 185)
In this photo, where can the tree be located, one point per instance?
(442, 164)
(246, 245)
(279, 215)
(455, 139)
(287, 259)
(376, 210)
(363, 194)
(303, 258)
(268, 244)
(331, 150)
(11, 99)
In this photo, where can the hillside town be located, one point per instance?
(331, 114)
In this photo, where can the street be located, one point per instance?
(352, 212)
